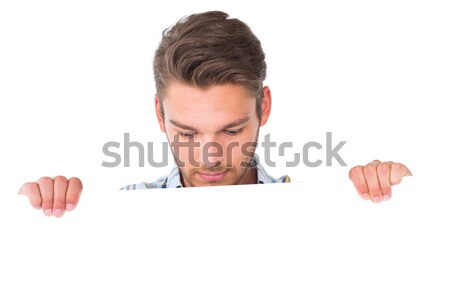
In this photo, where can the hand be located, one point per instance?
(54, 195)
(373, 181)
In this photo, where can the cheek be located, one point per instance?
(241, 149)
(181, 152)
(248, 141)
(237, 156)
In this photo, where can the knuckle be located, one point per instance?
(369, 169)
(77, 181)
(355, 170)
(45, 180)
(383, 167)
(397, 167)
(31, 186)
(60, 179)
(26, 186)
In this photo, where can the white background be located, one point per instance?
(77, 74)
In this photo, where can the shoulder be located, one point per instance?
(265, 177)
(157, 184)
(285, 178)
(166, 181)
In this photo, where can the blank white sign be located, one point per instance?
(303, 240)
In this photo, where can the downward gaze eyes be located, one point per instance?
(228, 132)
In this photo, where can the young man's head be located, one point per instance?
(210, 99)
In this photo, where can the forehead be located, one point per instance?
(216, 105)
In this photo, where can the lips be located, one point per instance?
(213, 176)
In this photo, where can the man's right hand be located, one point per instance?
(54, 195)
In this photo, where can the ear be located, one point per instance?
(158, 113)
(266, 106)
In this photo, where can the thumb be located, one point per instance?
(408, 172)
(20, 192)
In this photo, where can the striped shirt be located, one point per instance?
(173, 179)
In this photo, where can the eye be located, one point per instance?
(187, 134)
(233, 132)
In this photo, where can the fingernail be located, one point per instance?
(70, 207)
(386, 197)
(36, 207)
(375, 199)
(48, 212)
(58, 212)
(365, 196)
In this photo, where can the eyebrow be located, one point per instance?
(229, 125)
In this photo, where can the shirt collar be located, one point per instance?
(174, 181)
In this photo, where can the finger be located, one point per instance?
(384, 173)
(370, 174)
(357, 177)
(46, 188)
(398, 170)
(47, 201)
(31, 190)
(73, 193)
(59, 198)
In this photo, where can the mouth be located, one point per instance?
(213, 176)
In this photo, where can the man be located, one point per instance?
(209, 72)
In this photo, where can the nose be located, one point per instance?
(212, 165)
(212, 153)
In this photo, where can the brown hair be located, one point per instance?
(209, 48)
